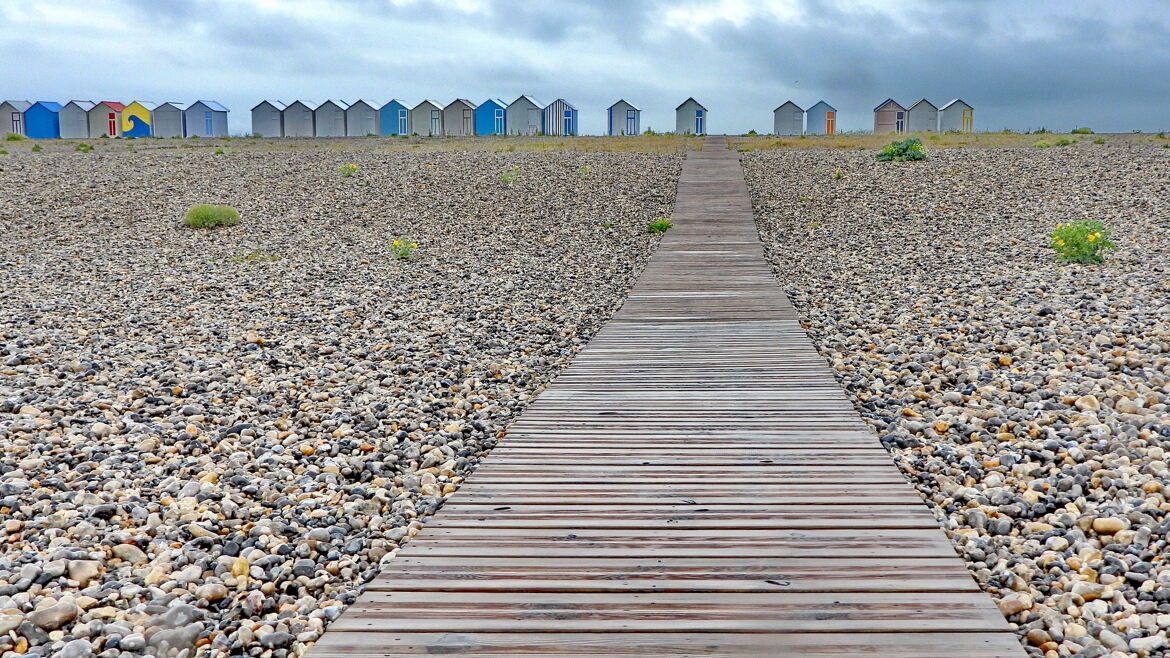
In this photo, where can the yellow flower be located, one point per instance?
(1060, 226)
(413, 245)
(1060, 242)
(397, 243)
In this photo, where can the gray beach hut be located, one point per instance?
(821, 119)
(105, 119)
(459, 118)
(267, 119)
(624, 119)
(889, 117)
(690, 117)
(956, 116)
(523, 116)
(12, 116)
(426, 119)
(166, 120)
(205, 119)
(329, 119)
(74, 117)
(788, 119)
(298, 119)
(922, 117)
(361, 118)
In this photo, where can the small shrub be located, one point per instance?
(660, 226)
(813, 225)
(402, 249)
(1100, 140)
(3, 152)
(1082, 131)
(1081, 242)
(511, 176)
(37, 148)
(907, 150)
(255, 256)
(744, 149)
(838, 174)
(751, 133)
(14, 137)
(208, 216)
(607, 225)
(82, 147)
(347, 170)
(1064, 141)
(218, 151)
(1042, 145)
(585, 172)
(934, 138)
(1161, 135)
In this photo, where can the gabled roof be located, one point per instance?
(887, 101)
(309, 105)
(690, 100)
(561, 100)
(277, 104)
(85, 106)
(622, 100)
(496, 101)
(527, 98)
(396, 100)
(341, 105)
(920, 103)
(957, 100)
(787, 103)
(211, 105)
(51, 106)
(173, 104)
(462, 100)
(20, 106)
(146, 104)
(432, 103)
(831, 108)
(373, 105)
(113, 105)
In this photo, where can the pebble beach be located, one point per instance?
(1027, 400)
(211, 438)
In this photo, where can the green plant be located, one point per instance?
(804, 198)
(660, 226)
(37, 148)
(607, 225)
(347, 170)
(511, 176)
(14, 137)
(1081, 242)
(585, 172)
(1082, 131)
(934, 137)
(218, 151)
(3, 152)
(1100, 140)
(751, 133)
(813, 225)
(82, 147)
(907, 150)
(1161, 135)
(208, 216)
(1064, 141)
(838, 174)
(1042, 145)
(402, 249)
(255, 256)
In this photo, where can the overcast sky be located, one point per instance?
(1022, 65)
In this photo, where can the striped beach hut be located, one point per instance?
(394, 118)
(137, 119)
(624, 118)
(167, 120)
(788, 119)
(821, 119)
(105, 119)
(205, 119)
(523, 116)
(298, 119)
(12, 116)
(956, 116)
(74, 117)
(922, 117)
(426, 119)
(267, 119)
(889, 117)
(42, 120)
(491, 117)
(361, 118)
(559, 118)
(690, 117)
(459, 118)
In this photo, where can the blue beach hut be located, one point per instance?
(41, 120)
(394, 118)
(491, 117)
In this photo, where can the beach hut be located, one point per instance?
(105, 119)
(394, 118)
(361, 119)
(922, 117)
(267, 120)
(821, 119)
(956, 116)
(167, 120)
(459, 118)
(42, 120)
(889, 117)
(298, 119)
(624, 119)
(426, 119)
(74, 117)
(491, 117)
(788, 119)
(205, 119)
(329, 119)
(523, 116)
(690, 118)
(12, 116)
(559, 118)
(137, 119)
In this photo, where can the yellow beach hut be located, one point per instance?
(137, 120)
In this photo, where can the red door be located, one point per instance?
(113, 125)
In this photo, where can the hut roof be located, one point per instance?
(113, 105)
(529, 99)
(690, 99)
(561, 100)
(921, 102)
(52, 106)
(888, 100)
(212, 105)
(277, 104)
(84, 105)
(789, 103)
(957, 100)
(20, 105)
(622, 100)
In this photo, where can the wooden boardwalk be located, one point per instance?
(694, 484)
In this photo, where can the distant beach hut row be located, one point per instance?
(87, 119)
(790, 119)
(891, 117)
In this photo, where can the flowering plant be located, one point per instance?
(1081, 242)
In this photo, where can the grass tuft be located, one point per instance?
(14, 137)
(208, 216)
(660, 226)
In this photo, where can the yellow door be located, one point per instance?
(968, 120)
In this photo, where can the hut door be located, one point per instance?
(568, 125)
(498, 124)
(533, 120)
(900, 122)
(402, 127)
(112, 124)
(700, 128)
(207, 124)
(631, 122)
(16, 123)
(468, 123)
(968, 120)
(436, 122)
(830, 123)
